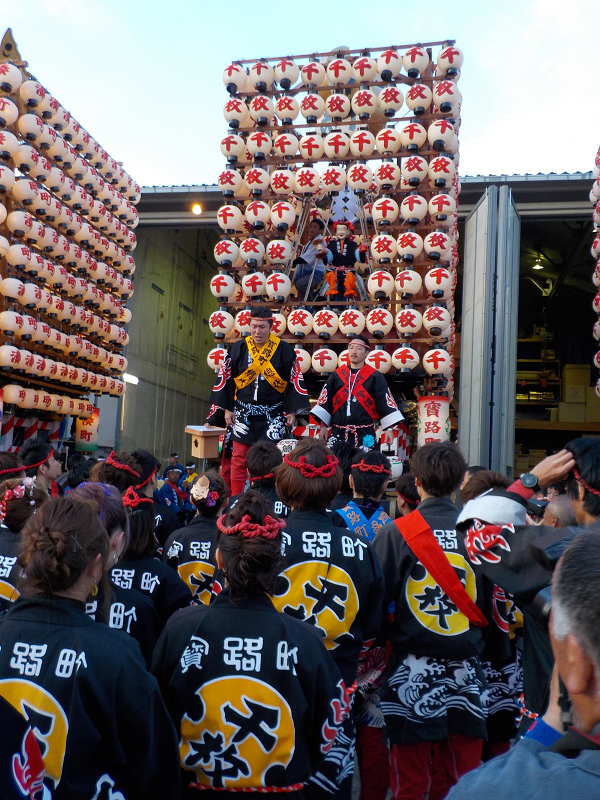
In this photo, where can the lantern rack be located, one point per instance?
(342, 52)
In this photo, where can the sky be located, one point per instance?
(145, 77)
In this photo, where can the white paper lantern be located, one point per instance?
(7, 178)
(364, 104)
(437, 246)
(385, 211)
(390, 100)
(388, 141)
(4, 244)
(259, 144)
(230, 181)
(9, 112)
(286, 73)
(440, 134)
(304, 359)
(282, 181)
(408, 282)
(343, 359)
(408, 321)
(312, 106)
(413, 136)
(337, 106)
(446, 96)
(14, 394)
(414, 170)
(325, 323)
(242, 321)
(252, 251)
(234, 78)
(312, 74)
(380, 284)
(11, 323)
(352, 322)
(435, 320)
(287, 109)
(282, 215)
(450, 58)
(359, 178)
(278, 251)
(215, 358)
(437, 362)
(413, 208)
(220, 323)
(364, 69)
(222, 285)
(261, 109)
(257, 214)
(299, 322)
(324, 360)
(10, 356)
(362, 144)
(389, 64)
(278, 325)
(12, 288)
(383, 248)
(236, 113)
(9, 145)
(415, 61)
(226, 252)
(261, 76)
(379, 322)
(441, 171)
(311, 146)
(230, 218)
(286, 144)
(11, 78)
(405, 358)
(441, 206)
(254, 284)
(387, 176)
(333, 179)
(339, 72)
(307, 181)
(379, 360)
(337, 145)
(418, 98)
(438, 282)
(257, 181)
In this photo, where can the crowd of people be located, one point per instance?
(320, 633)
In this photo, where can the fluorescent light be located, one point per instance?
(130, 378)
(197, 209)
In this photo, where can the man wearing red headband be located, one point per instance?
(260, 387)
(353, 399)
(41, 464)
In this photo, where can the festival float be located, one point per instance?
(367, 138)
(67, 220)
(595, 199)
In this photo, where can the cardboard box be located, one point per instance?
(571, 412)
(205, 441)
(592, 405)
(576, 375)
(574, 394)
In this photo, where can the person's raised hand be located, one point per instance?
(554, 468)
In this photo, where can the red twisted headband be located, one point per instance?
(268, 530)
(585, 485)
(131, 498)
(117, 465)
(379, 468)
(262, 477)
(148, 479)
(308, 471)
(32, 466)
(22, 468)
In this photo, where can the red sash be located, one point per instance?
(419, 537)
(358, 390)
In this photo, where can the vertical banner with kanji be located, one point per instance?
(86, 432)
(434, 420)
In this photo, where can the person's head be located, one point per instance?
(249, 547)
(310, 476)
(262, 459)
(438, 468)
(408, 497)
(345, 452)
(554, 491)
(470, 471)
(575, 626)
(120, 470)
(79, 470)
(358, 349)
(261, 322)
(173, 475)
(149, 466)
(142, 540)
(11, 466)
(209, 494)
(560, 513)
(173, 459)
(583, 482)
(190, 468)
(65, 548)
(316, 228)
(111, 512)
(19, 499)
(481, 481)
(342, 230)
(40, 462)
(370, 475)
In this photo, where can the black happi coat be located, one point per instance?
(333, 580)
(10, 571)
(165, 522)
(96, 712)
(155, 580)
(434, 686)
(269, 492)
(259, 408)
(384, 407)
(345, 254)
(129, 611)
(191, 551)
(255, 695)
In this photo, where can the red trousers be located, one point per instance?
(239, 472)
(432, 768)
(373, 758)
(226, 474)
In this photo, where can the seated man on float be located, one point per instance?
(550, 764)
(369, 477)
(262, 460)
(309, 267)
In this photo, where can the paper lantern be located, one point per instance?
(380, 284)
(440, 134)
(337, 145)
(446, 96)
(415, 61)
(226, 252)
(312, 74)
(220, 323)
(408, 321)
(12, 288)
(282, 215)
(437, 246)
(351, 322)
(307, 181)
(252, 251)
(4, 245)
(222, 285)
(286, 73)
(230, 181)
(30, 399)
(359, 178)
(441, 206)
(385, 211)
(438, 283)
(234, 78)
(304, 359)
(436, 362)
(450, 58)
(408, 282)
(261, 76)
(257, 181)
(389, 65)
(230, 218)
(10, 357)
(261, 109)
(379, 360)
(278, 251)
(311, 146)
(410, 245)
(9, 112)
(257, 214)
(434, 420)
(10, 78)
(364, 69)
(413, 208)
(254, 284)
(383, 249)
(286, 144)
(57, 404)
(405, 359)
(379, 322)
(441, 171)
(215, 358)
(387, 176)
(236, 112)
(362, 144)
(324, 360)
(364, 104)
(242, 321)
(9, 145)
(278, 325)
(435, 320)
(282, 181)
(259, 144)
(388, 141)
(414, 170)
(337, 106)
(333, 179)
(390, 100)
(596, 303)
(299, 322)
(343, 359)
(325, 323)
(413, 136)
(312, 106)
(418, 98)
(339, 72)
(7, 178)
(11, 323)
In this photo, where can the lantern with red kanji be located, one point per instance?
(286, 73)
(9, 144)
(441, 206)
(242, 322)
(595, 330)
(287, 109)
(379, 322)
(222, 285)
(343, 359)
(278, 251)
(283, 215)
(286, 144)
(278, 325)
(405, 359)
(9, 112)
(339, 72)
(337, 145)
(325, 323)
(299, 322)
(380, 284)
(440, 134)
(450, 60)
(312, 106)
(364, 104)
(408, 282)
(261, 76)
(11, 78)
(215, 358)
(436, 321)
(438, 246)
(257, 181)
(359, 178)
(235, 78)
(259, 144)
(252, 251)
(415, 61)
(278, 284)
(230, 181)
(312, 74)
(437, 362)
(418, 98)
(414, 170)
(408, 321)
(364, 69)
(304, 359)
(390, 100)
(596, 303)
(337, 106)
(387, 176)
(413, 208)
(351, 322)
(388, 141)
(236, 113)
(307, 181)
(311, 146)
(282, 181)
(438, 283)
(385, 211)
(384, 248)
(261, 109)
(413, 136)
(258, 214)
(333, 179)
(362, 144)
(441, 171)
(389, 65)
(446, 96)
(324, 360)
(230, 219)
(220, 323)
(380, 360)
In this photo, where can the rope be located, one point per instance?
(268, 530)
(309, 471)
